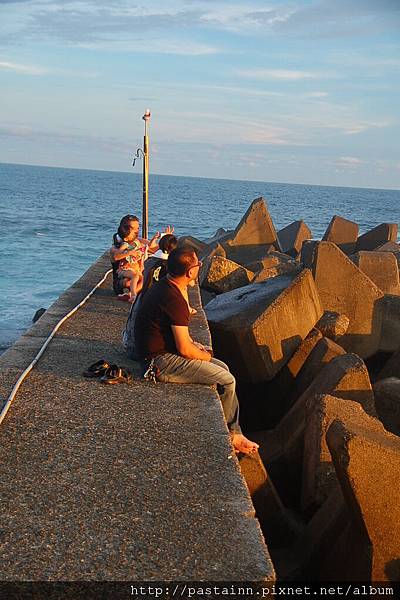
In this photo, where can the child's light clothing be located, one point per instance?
(133, 262)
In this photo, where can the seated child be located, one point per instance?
(130, 266)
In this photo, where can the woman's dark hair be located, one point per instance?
(123, 229)
(128, 218)
(180, 260)
(168, 243)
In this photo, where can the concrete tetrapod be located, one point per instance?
(257, 328)
(343, 233)
(319, 476)
(387, 402)
(344, 288)
(253, 234)
(292, 237)
(367, 463)
(344, 377)
(381, 268)
(220, 275)
(333, 325)
(385, 232)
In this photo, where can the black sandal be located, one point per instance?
(98, 369)
(116, 374)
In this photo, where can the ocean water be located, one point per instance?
(55, 222)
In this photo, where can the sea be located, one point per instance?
(55, 222)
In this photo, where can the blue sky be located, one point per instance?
(303, 91)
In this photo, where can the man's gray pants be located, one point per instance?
(177, 369)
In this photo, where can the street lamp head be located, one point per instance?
(146, 116)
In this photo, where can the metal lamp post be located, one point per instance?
(145, 210)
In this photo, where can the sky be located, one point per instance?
(302, 91)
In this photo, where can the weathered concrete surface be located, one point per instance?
(256, 329)
(307, 252)
(391, 367)
(392, 247)
(387, 402)
(216, 250)
(343, 233)
(322, 353)
(286, 378)
(333, 325)
(379, 235)
(278, 525)
(319, 476)
(344, 377)
(292, 236)
(94, 486)
(390, 336)
(284, 268)
(305, 559)
(254, 232)
(381, 268)
(220, 275)
(367, 464)
(272, 258)
(344, 288)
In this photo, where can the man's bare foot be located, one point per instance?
(242, 444)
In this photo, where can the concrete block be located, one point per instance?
(270, 259)
(220, 275)
(319, 476)
(333, 325)
(255, 230)
(389, 247)
(278, 526)
(307, 252)
(256, 329)
(344, 377)
(387, 402)
(286, 377)
(367, 463)
(322, 353)
(284, 268)
(379, 235)
(292, 237)
(391, 367)
(381, 268)
(343, 233)
(344, 288)
(314, 547)
(206, 296)
(390, 334)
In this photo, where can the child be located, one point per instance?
(130, 267)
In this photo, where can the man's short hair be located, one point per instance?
(180, 260)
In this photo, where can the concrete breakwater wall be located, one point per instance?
(311, 330)
(117, 483)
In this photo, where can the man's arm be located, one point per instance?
(185, 346)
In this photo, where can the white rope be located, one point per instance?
(16, 387)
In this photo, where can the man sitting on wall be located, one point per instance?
(164, 343)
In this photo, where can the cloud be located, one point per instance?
(280, 74)
(55, 137)
(348, 161)
(23, 69)
(325, 18)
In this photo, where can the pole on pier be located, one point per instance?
(145, 210)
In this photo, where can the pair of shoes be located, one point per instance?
(98, 369)
(116, 374)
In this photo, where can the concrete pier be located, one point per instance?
(121, 482)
